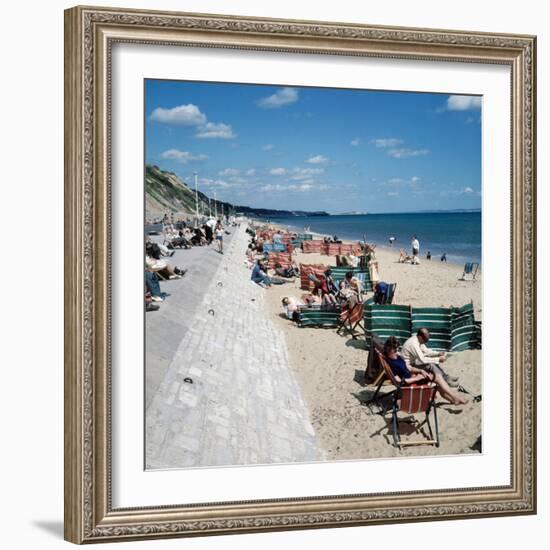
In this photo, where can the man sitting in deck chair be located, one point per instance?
(416, 354)
(409, 374)
(354, 284)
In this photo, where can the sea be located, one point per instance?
(457, 234)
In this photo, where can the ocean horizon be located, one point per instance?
(457, 234)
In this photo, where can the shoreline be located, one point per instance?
(383, 247)
(459, 259)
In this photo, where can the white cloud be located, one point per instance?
(250, 172)
(415, 179)
(268, 147)
(467, 190)
(184, 115)
(393, 194)
(463, 103)
(208, 182)
(229, 172)
(181, 156)
(382, 143)
(284, 96)
(215, 130)
(317, 159)
(407, 153)
(355, 142)
(305, 173)
(285, 188)
(277, 171)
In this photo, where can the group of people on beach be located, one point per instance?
(174, 236)
(413, 258)
(411, 363)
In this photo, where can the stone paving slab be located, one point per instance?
(244, 405)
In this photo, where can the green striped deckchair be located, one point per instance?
(438, 321)
(339, 273)
(305, 236)
(465, 333)
(384, 321)
(320, 316)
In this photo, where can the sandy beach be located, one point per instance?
(330, 368)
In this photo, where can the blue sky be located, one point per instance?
(298, 148)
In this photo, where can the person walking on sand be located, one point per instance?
(392, 240)
(415, 246)
(219, 237)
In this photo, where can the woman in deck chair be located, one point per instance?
(412, 375)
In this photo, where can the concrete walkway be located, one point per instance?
(241, 403)
(165, 328)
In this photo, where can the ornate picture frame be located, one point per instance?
(90, 34)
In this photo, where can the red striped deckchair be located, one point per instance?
(412, 399)
(350, 319)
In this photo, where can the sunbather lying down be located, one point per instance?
(404, 257)
(292, 306)
(163, 268)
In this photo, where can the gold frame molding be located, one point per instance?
(89, 35)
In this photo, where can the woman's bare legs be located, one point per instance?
(447, 393)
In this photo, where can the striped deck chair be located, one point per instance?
(412, 399)
(465, 332)
(350, 319)
(470, 271)
(438, 321)
(385, 321)
(319, 316)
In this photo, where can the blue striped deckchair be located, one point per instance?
(465, 333)
(470, 271)
(384, 321)
(438, 321)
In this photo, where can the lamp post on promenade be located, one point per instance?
(196, 199)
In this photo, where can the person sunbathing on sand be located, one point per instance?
(413, 375)
(291, 306)
(404, 257)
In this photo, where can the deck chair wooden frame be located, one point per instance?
(413, 399)
(350, 319)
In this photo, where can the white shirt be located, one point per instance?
(414, 353)
(416, 244)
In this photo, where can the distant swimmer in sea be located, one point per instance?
(444, 257)
(392, 240)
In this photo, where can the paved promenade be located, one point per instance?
(228, 396)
